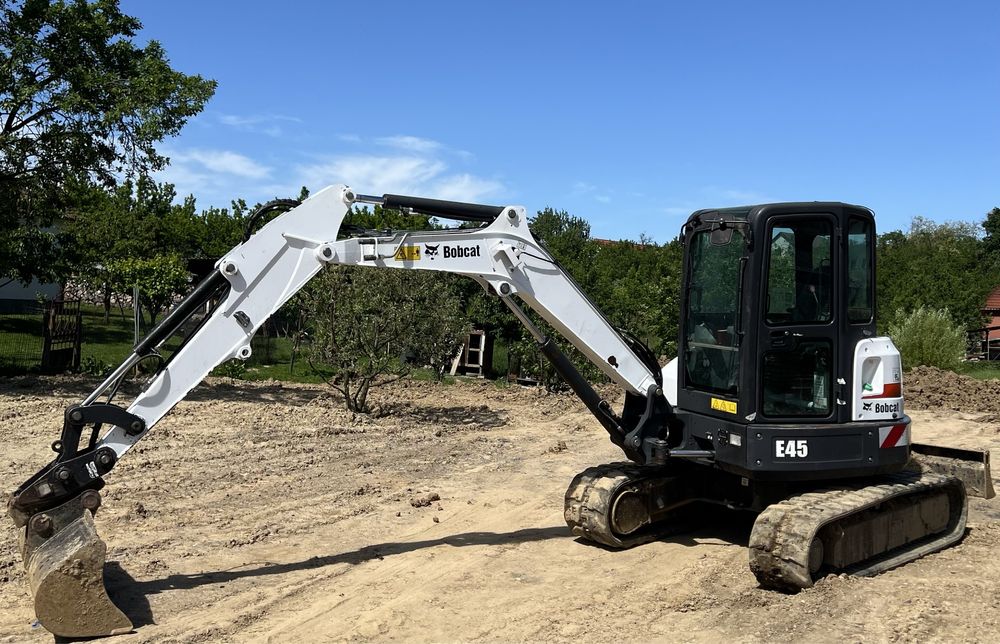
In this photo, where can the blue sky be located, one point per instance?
(629, 114)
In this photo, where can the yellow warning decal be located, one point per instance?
(724, 405)
(407, 254)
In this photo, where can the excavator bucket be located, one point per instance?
(970, 466)
(64, 559)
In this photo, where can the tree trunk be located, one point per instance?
(107, 302)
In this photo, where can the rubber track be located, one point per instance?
(783, 532)
(588, 504)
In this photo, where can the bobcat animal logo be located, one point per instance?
(866, 406)
(431, 251)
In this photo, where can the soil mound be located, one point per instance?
(933, 388)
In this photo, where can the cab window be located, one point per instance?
(799, 276)
(712, 344)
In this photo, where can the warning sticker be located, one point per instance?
(724, 405)
(407, 254)
(894, 436)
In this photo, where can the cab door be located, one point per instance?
(799, 322)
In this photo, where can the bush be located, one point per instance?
(235, 369)
(928, 337)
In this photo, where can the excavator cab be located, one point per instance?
(780, 370)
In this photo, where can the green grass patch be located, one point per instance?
(105, 344)
(426, 374)
(980, 370)
(302, 373)
(108, 342)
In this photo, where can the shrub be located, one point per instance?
(928, 337)
(235, 369)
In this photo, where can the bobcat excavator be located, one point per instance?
(782, 400)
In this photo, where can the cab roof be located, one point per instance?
(752, 213)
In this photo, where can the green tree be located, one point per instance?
(991, 244)
(78, 98)
(637, 286)
(934, 265)
(135, 220)
(371, 326)
(567, 237)
(219, 229)
(160, 278)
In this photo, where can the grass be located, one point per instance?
(20, 341)
(108, 342)
(980, 370)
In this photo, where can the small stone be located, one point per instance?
(425, 500)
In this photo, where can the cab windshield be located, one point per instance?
(711, 358)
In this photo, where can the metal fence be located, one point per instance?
(983, 344)
(39, 336)
(21, 334)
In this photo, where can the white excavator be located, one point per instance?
(783, 399)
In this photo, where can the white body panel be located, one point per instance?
(669, 373)
(878, 381)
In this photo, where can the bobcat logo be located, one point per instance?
(866, 406)
(431, 251)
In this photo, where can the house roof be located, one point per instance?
(992, 301)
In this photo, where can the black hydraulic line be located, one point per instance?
(597, 405)
(456, 210)
(270, 206)
(173, 321)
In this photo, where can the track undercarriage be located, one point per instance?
(855, 528)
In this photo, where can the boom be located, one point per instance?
(266, 270)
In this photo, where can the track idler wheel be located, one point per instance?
(64, 559)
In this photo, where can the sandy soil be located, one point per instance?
(266, 513)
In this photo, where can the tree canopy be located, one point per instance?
(936, 266)
(79, 100)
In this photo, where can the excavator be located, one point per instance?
(783, 399)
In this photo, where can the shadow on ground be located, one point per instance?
(716, 524)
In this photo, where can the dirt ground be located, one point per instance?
(267, 513)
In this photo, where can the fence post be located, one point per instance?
(47, 319)
(78, 336)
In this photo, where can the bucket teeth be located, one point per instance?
(66, 576)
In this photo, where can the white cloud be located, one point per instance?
(407, 174)
(465, 187)
(214, 177)
(406, 165)
(592, 191)
(386, 174)
(261, 123)
(222, 162)
(409, 143)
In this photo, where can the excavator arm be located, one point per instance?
(53, 509)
